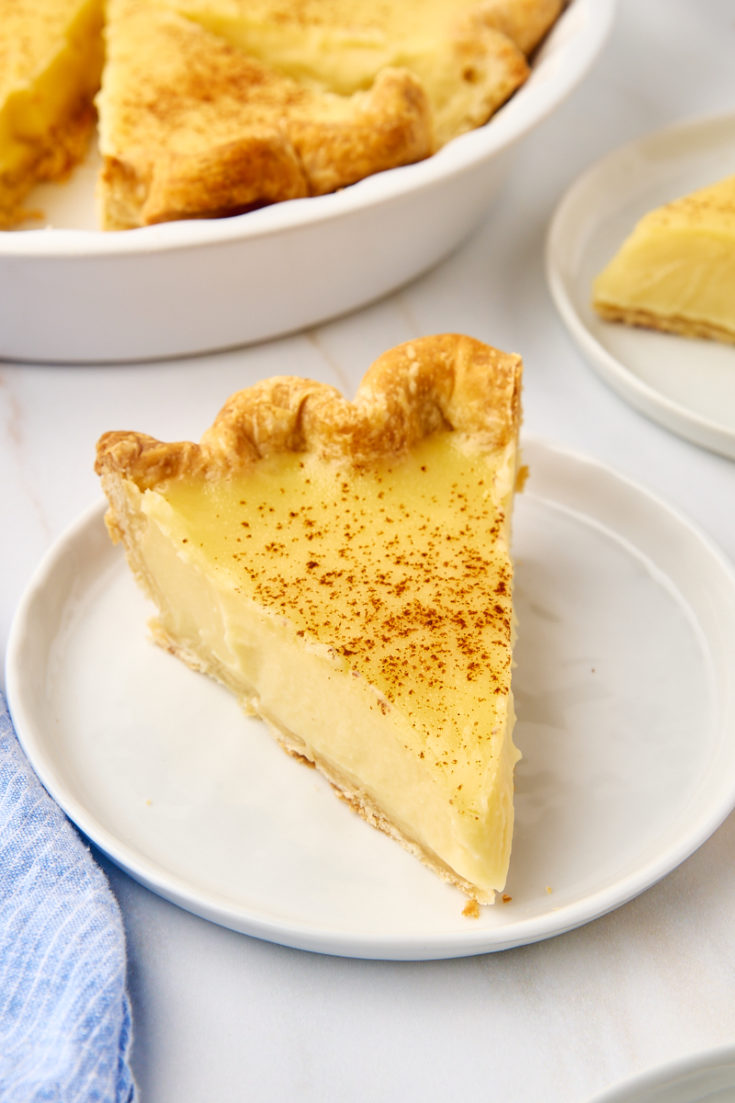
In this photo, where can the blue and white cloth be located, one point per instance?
(65, 1024)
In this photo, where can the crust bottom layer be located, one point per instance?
(665, 323)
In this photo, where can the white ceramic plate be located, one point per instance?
(701, 1078)
(686, 385)
(624, 685)
(71, 293)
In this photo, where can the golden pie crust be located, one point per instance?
(446, 381)
(192, 127)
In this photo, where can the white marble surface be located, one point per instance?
(219, 1016)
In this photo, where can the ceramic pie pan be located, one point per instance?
(625, 688)
(71, 293)
(684, 384)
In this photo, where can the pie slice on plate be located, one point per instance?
(344, 568)
(676, 270)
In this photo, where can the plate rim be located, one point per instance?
(337, 941)
(666, 1074)
(673, 415)
(525, 111)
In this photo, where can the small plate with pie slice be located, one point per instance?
(624, 685)
(684, 383)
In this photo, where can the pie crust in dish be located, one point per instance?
(676, 270)
(214, 107)
(344, 568)
(191, 126)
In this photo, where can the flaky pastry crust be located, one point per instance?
(191, 126)
(203, 122)
(447, 381)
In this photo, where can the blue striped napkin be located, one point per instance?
(65, 1027)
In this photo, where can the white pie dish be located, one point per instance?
(71, 293)
(625, 686)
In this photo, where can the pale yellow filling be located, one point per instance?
(367, 612)
(678, 265)
(337, 45)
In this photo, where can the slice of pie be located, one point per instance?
(344, 568)
(676, 270)
(50, 65)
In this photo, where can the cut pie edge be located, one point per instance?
(675, 270)
(47, 115)
(353, 795)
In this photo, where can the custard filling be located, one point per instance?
(306, 571)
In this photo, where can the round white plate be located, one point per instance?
(701, 1078)
(687, 385)
(72, 293)
(624, 685)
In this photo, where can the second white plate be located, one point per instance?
(686, 385)
(625, 686)
(699, 1078)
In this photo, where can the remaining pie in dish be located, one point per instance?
(50, 65)
(212, 107)
(676, 270)
(191, 126)
(344, 568)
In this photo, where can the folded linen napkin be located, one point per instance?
(65, 1026)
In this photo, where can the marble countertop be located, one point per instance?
(221, 1016)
